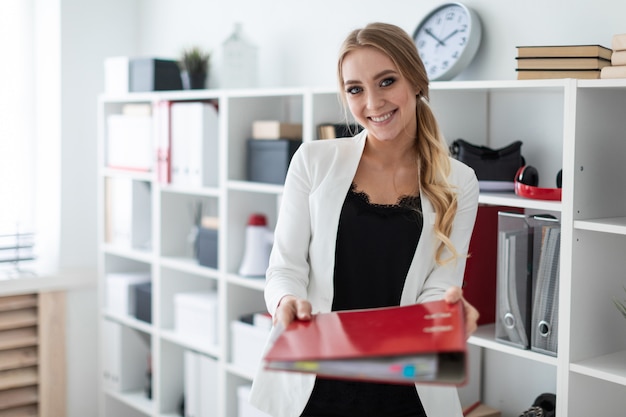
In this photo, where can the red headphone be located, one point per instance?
(526, 180)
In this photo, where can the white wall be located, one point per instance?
(298, 40)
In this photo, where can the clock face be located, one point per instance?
(447, 40)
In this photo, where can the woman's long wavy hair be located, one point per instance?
(431, 149)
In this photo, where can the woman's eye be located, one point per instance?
(387, 82)
(353, 90)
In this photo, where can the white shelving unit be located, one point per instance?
(576, 125)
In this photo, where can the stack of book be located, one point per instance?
(617, 69)
(562, 61)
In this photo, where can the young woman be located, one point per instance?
(383, 218)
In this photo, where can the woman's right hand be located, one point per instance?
(291, 308)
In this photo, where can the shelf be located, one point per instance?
(172, 336)
(127, 252)
(513, 200)
(131, 322)
(253, 283)
(133, 175)
(485, 337)
(256, 187)
(563, 123)
(188, 265)
(616, 225)
(611, 367)
(204, 191)
(236, 370)
(134, 399)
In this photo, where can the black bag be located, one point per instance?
(490, 164)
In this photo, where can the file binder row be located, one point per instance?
(528, 281)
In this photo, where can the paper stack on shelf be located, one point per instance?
(617, 69)
(561, 61)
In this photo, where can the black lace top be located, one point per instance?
(375, 248)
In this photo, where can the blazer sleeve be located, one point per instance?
(451, 274)
(288, 271)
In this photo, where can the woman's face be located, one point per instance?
(378, 96)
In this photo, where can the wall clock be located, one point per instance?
(447, 40)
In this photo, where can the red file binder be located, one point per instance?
(423, 343)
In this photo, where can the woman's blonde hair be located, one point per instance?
(431, 149)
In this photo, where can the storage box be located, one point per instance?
(244, 409)
(268, 160)
(143, 301)
(207, 247)
(514, 280)
(248, 344)
(120, 292)
(150, 74)
(195, 316)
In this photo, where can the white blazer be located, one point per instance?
(302, 259)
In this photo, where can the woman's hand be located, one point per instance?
(453, 295)
(291, 308)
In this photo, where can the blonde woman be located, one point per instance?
(379, 219)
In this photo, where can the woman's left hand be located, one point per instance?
(455, 294)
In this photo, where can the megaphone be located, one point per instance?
(259, 239)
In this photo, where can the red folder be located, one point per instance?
(423, 343)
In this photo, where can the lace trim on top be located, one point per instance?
(404, 201)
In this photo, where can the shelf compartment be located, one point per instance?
(189, 343)
(180, 216)
(590, 396)
(616, 225)
(513, 200)
(485, 338)
(255, 283)
(611, 367)
(129, 404)
(189, 265)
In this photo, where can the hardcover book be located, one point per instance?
(574, 63)
(423, 343)
(544, 51)
(548, 74)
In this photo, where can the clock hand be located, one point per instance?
(450, 35)
(439, 41)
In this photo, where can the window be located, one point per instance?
(17, 120)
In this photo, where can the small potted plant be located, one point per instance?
(194, 64)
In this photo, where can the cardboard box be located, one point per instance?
(273, 129)
(244, 409)
(195, 316)
(268, 160)
(248, 344)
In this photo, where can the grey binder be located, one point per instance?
(544, 331)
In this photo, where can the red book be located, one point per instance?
(423, 343)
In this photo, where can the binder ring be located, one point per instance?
(544, 328)
(509, 320)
